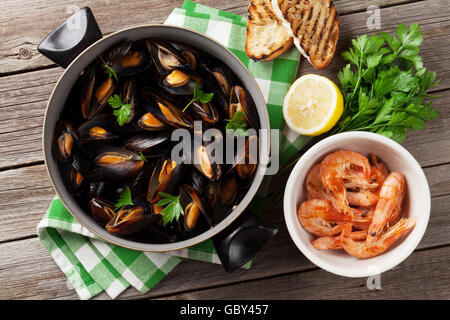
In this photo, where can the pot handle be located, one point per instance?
(73, 36)
(242, 240)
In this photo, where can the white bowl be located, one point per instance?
(417, 203)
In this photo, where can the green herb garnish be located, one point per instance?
(124, 199)
(173, 208)
(238, 124)
(199, 95)
(143, 158)
(110, 71)
(122, 111)
(385, 85)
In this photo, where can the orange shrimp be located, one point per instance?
(363, 250)
(334, 243)
(319, 217)
(389, 206)
(339, 167)
(362, 198)
(379, 165)
(314, 186)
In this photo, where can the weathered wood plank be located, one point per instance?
(25, 23)
(424, 275)
(32, 274)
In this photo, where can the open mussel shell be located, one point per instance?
(203, 160)
(240, 101)
(132, 218)
(180, 83)
(66, 141)
(74, 173)
(206, 112)
(167, 57)
(96, 89)
(245, 160)
(195, 202)
(242, 240)
(131, 63)
(102, 129)
(166, 177)
(164, 111)
(101, 209)
(113, 163)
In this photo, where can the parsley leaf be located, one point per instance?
(124, 199)
(143, 158)
(110, 71)
(238, 124)
(199, 95)
(385, 85)
(121, 111)
(173, 208)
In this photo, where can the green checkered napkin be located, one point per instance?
(92, 265)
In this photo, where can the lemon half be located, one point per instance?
(313, 105)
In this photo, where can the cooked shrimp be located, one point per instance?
(363, 250)
(314, 186)
(341, 165)
(362, 198)
(319, 217)
(388, 209)
(334, 243)
(364, 212)
(378, 164)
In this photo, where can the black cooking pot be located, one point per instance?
(74, 45)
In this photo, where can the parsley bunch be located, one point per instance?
(385, 85)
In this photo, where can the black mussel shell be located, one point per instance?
(113, 163)
(96, 89)
(101, 209)
(66, 142)
(102, 128)
(163, 110)
(166, 177)
(146, 142)
(132, 218)
(74, 173)
(242, 240)
(107, 190)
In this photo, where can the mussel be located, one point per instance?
(65, 142)
(96, 89)
(102, 128)
(164, 111)
(114, 163)
(166, 177)
(132, 218)
(240, 102)
(102, 210)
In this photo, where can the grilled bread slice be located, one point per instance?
(266, 37)
(314, 24)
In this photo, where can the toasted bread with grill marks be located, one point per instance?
(266, 37)
(314, 24)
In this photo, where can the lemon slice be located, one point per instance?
(313, 105)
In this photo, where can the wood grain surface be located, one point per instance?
(279, 272)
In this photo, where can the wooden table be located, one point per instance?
(279, 271)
